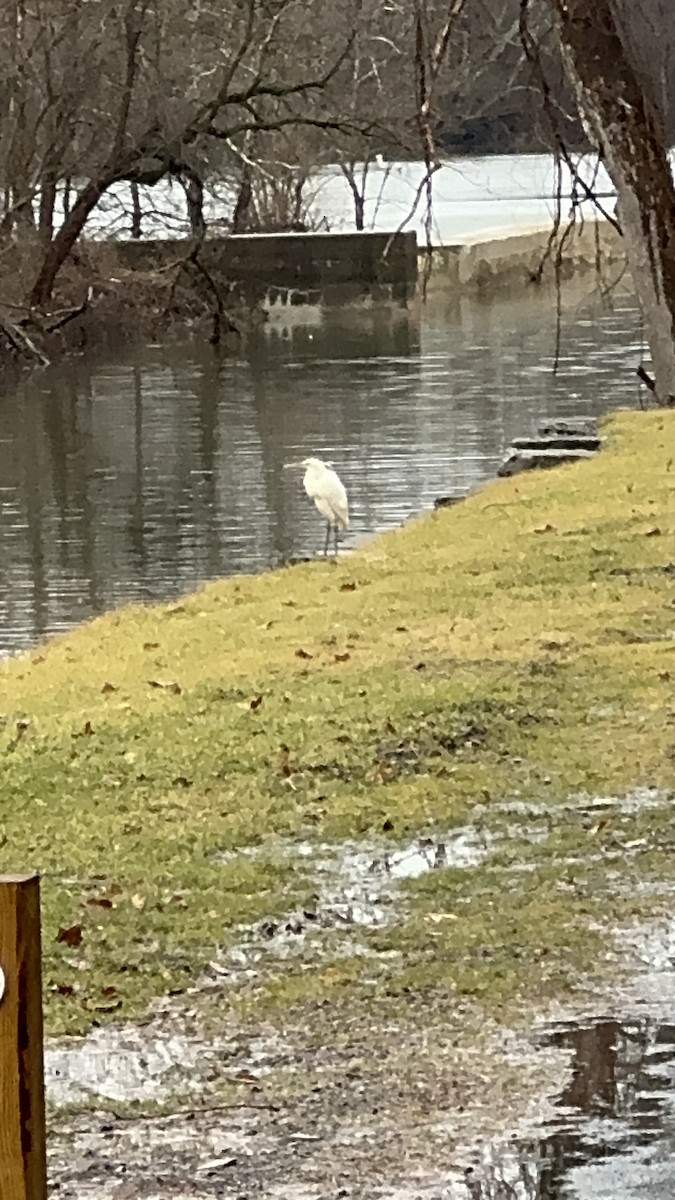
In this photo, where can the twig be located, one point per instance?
(218, 311)
(21, 342)
(59, 319)
(531, 51)
(421, 188)
(193, 1112)
(262, 125)
(258, 88)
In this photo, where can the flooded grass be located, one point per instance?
(229, 797)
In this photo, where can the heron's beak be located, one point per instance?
(290, 466)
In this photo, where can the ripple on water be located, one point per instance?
(137, 478)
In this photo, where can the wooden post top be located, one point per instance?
(19, 877)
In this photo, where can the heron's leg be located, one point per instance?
(335, 531)
(325, 549)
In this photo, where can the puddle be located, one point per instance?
(535, 822)
(615, 1136)
(639, 800)
(354, 887)
(609, 1136)
(121, 1065)
(613, 1133)
(361, 887)
(157, 1062)
(357, 886)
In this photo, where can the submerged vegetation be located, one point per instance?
(488, 664)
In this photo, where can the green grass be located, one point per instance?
(522, 643)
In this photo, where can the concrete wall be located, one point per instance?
(297, 276)
(300, 269)
(512, 258)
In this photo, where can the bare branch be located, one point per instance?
(133, 26)
(260, 87)
(262, 125)
(533, 56)
(211, 109)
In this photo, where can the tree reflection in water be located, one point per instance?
(619, 1100)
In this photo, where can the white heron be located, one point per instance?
(324, 486)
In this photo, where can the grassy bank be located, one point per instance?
(518, 647)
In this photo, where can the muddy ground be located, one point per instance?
(408, 1098)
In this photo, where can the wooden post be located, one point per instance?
(23, 1169)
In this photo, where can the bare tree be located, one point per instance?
(272, 189)
(153, 91)
(624, 89)
(380, 82)
(483, 88)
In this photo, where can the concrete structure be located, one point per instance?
(296, 270)
(510, 258)
(297, 278)
(555, 443)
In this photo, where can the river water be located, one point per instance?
(134, 477)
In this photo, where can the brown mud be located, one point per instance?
(422, 1104)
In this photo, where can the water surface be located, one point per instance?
(471, 198)
(615, 1136)
(133, 478)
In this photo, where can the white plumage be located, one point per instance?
(324, 486)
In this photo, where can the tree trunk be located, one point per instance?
(46, 214)
(358, 195)
(243, 204)
(194, 198)
(297, 222)
(136, 212)
(22, 215)
(622, 120)
(59, 249)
